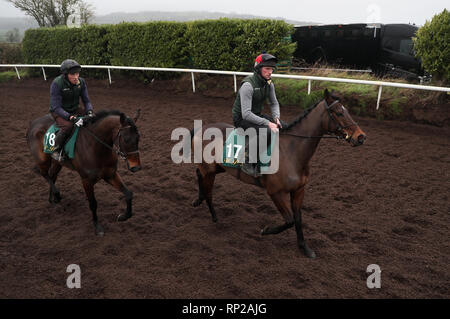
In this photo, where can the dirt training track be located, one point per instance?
(384, 203)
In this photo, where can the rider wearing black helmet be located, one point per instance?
(65, 93)
(249, 103)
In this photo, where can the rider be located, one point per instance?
(249, 103)
(65, 93)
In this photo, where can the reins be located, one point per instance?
(339, 127)
(304, 136)
(118, 151)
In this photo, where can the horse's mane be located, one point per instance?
(305, 114)
(100, 115)
(300, 117)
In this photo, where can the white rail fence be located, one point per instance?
(379, 84)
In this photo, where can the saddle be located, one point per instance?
(69, 145)
(235, 149)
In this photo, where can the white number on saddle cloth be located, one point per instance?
(50, 139)
(236, 153)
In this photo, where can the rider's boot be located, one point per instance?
(251, 169)
(248, 168)
(58, 153)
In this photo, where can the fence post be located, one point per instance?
(109, 75)
(43, 72)
(17, 71)
(193, 82)
(379, 96)
(309, 87)
(235, 84)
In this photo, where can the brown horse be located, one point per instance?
(297, 144)
(99, 143)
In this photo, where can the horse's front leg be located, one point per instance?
(296, 201)
(55, 168)
(116, 182)
(281, 201)
(89, 190)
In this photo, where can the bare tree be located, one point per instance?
(86, 11)
(13, 36)
(50, 13)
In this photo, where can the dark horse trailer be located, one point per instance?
(385, 48)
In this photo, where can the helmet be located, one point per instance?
(70, 66)
(265, 59)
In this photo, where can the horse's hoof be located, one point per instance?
(123, 217)
(99, 231)
(264, 230)
(309, 252)
(58, 197)
(196, 202)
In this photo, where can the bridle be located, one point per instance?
(115, 147)
(339, 128)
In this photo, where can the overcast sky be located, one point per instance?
(321, 11)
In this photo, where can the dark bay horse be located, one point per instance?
(297, 144)
(99, 143)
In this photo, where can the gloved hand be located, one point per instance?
(77, 120)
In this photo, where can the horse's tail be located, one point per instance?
(192, 133)
(188, 142)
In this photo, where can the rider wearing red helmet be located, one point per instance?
(249, 103)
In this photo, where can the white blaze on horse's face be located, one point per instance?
(353, 133)
(347, 135)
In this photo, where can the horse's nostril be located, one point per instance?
(361, 138)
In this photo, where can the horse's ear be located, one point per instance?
(326, 94)
(136, 116)
(123, 118)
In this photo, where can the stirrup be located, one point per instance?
(58, 155)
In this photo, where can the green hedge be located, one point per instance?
(156, 44)
(225, 44)
(432, 46)
(87, 45)
(233, 44)
(11, 53)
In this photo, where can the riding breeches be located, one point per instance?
(263, 134)
(64, 125)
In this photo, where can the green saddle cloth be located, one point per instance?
(234, 152)
(49, 141)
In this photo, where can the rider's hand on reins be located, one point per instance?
(273, 127)
(78, 121)
(277, 120)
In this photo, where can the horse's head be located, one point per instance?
(337, 120)
(128, 140)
